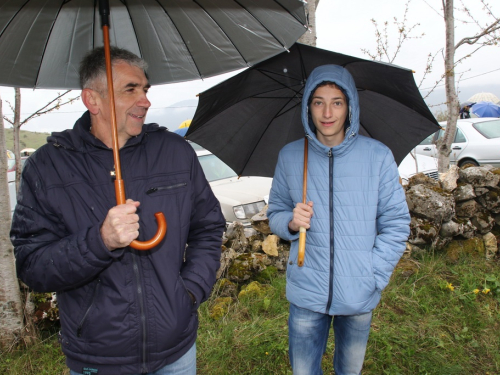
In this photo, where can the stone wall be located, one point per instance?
(460, 212)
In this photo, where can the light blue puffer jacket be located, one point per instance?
(361, 219)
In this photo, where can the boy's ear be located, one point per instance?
(91, 99)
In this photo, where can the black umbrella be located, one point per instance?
(248, 118)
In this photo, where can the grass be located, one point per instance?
(26, 139)
(435, 317)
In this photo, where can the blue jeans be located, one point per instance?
(186, 365)
(308, 335)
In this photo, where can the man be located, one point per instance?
(465, 112)
(357, 223)
(122, 311)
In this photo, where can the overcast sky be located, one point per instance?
(343, 27)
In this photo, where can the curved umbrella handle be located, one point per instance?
(302, 230)
(160, 233)
(160, 219)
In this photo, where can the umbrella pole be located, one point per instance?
(119, 184)
(302, 230)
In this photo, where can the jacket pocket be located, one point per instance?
(88, 309)
(193, 304)
(166, 188)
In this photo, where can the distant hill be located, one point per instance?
(26, 139)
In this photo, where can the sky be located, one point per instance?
(343, 27)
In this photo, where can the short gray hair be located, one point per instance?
(93, 66)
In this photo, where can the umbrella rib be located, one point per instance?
(12, 18)
(267, 127)
(298, 20)
(278, 82)
(46, 42)
(258, 20)
(133, 26)
(180, 36)
(221, 29)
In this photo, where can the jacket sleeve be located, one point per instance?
(202, 259)
(280, 210)
(393, 223)
(47, 258)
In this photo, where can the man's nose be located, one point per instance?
(144, 101)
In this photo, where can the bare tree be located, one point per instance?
(309, 37)
(11, 312)
(487, 35)
(16, 122)
(12, 323)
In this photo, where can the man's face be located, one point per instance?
(329, 112)
(131, 103)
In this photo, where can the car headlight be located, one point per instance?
(247, 211)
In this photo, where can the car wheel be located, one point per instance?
(468, 163)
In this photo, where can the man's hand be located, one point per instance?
(302, 214)
(121, 225)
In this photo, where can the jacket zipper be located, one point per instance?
(332, 250)
(140, 295)
(80, 325)
(155, 189)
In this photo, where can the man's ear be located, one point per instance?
(92, 100)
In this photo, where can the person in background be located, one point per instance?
(465, 112)
(357, 223)
(122, 311)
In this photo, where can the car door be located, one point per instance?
(428, 146)
(458, 146)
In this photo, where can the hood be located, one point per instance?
(79, 138)
(341, 77)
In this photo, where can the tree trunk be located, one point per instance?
(309, 37)
(16, 132)
(444, 144)
(11, 316)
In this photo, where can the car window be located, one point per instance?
(195, 146)
(428, 140)
(214, 168)
(460, 137)
(489, 129)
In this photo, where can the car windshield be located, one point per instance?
(214, 168)
(489, 129)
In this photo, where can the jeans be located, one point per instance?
(308, 336)
(186, 365)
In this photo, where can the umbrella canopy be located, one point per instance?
(248, 118)
(466, 104)
(43, 42)
(484, 97)
(486, 109)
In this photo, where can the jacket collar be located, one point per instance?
(80, 139)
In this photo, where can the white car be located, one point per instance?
(11, 179)
(415, 163)
(240, 197)
(476, 142)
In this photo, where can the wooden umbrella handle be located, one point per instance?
(302, 230)
(119, 185)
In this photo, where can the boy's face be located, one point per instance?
(329, 112)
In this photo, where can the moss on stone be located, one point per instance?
(456, 249)
(267, 274)
(220, 307)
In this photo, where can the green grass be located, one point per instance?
(429, 321)
(26, 139)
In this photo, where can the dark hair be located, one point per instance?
(93, 66)
(326, 83)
